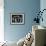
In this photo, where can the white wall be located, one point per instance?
(1, 20)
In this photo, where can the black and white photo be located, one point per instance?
(17, 18)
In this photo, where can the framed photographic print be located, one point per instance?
(17, 18)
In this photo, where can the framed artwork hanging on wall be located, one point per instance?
(17, 18)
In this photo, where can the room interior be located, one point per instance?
(17, 20)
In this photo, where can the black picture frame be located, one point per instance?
(17, 18)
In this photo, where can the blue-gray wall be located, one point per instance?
(29, 8)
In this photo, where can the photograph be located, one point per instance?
(17, 18)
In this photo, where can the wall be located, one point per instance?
(43, 6)
(28, 7)
(1, 20)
